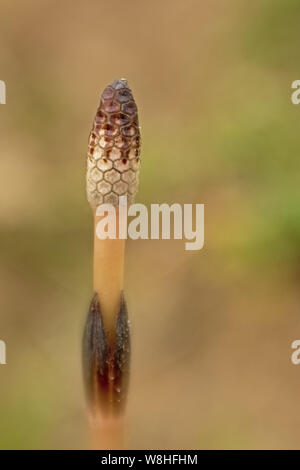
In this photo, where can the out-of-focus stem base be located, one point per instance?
(107, 433)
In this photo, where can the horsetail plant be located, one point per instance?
(112, 171)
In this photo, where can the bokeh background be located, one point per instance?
(211, 330)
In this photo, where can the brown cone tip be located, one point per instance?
(113, 159)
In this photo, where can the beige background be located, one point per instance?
(211, 330)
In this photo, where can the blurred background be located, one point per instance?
(211, 330)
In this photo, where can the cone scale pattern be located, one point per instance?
(113, 160)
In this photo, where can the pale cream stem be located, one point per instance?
(109, 274)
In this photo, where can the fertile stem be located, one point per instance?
(108, 275)
(112, 171)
